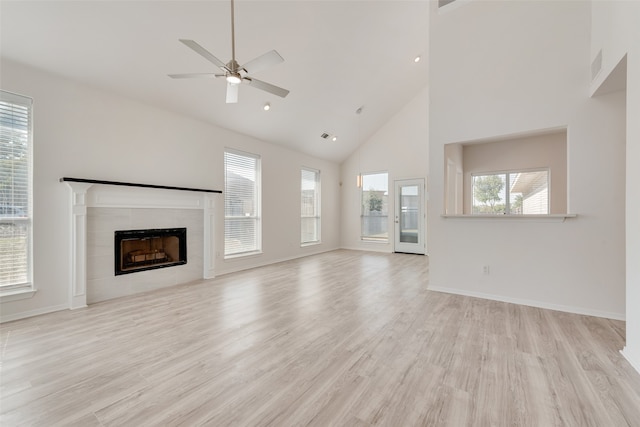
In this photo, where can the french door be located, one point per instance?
(409, 216)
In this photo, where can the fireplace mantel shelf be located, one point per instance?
(131, 184)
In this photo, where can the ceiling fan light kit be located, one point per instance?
(234, 79)
(234, 73)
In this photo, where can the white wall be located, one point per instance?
(503, 68)
(616, 30)
(399, 147)
(83, 132)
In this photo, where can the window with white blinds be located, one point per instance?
(15, 191)
(310, 206)
(242, 231)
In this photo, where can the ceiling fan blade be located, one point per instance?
(204, 53)
(195, 76)
(263, 61)
(232, 93)
(267, 87)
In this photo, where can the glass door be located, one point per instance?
(409, 216)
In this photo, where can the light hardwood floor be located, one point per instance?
(344, 338)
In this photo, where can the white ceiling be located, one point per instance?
(339, 55)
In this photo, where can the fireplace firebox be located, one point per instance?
(139, 250)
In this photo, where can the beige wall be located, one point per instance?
(454, 173)
(83, 132)
(533, 152)
(510, 68)
(616, 31)
(400, 148)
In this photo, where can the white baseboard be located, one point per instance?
(384, 250)
(633, 359)
(221, 271)
(530, 303)
(31, 313)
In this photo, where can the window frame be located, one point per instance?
(317, 205)
(507, 174)
(24, 289)
(257, 216)
(369, 238)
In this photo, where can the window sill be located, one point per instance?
(17, 294)
(304, 245)
(242, 255)
(533, 218)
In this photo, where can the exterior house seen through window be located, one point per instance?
(375, 207)
(511, 193)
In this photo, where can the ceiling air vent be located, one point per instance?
(596, 65)
(324, 135)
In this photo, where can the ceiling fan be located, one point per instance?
(233, 72)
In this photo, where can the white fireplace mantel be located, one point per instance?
(86, 194)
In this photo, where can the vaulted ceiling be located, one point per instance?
(339, 55)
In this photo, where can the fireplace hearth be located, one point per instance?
(140, 250)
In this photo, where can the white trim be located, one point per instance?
(138, 197)
(530, 218)
(314, 243)
(31, 313)
(530, 303)
(78, 258)
(87, 195)
(378, 249)
(242, 255)
(17, 294)
(222, 272)
(633, 359)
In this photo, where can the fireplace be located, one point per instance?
(139, 250)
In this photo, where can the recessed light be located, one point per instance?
(266, 107)
(416, 59)
(335, 138)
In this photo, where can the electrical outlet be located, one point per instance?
(485, 270)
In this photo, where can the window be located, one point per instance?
(511, 193)
(242, 231)
(375, 194)
(310, 206)
(15, 191)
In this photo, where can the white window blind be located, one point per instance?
(15, 190)
(242, 231)
(310, 206)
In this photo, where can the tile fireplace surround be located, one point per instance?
(97, 210)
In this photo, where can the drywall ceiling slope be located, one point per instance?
(338, 55)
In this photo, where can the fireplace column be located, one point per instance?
(78, 265)
(209, 255)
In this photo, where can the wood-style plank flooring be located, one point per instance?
(344, 338)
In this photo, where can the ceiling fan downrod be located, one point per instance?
(233, 36)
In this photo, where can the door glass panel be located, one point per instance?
(409, 208)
